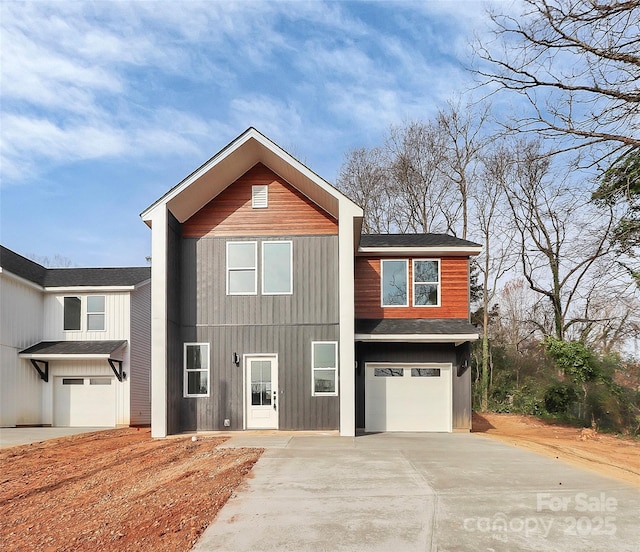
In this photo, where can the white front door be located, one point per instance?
(261, 392)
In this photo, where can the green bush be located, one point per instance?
(558, 397)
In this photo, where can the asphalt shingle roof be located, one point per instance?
(74, 348)
(415, 326)
(413, 240)
(63, 277)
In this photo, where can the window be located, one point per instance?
(426, 283)
(394, 283)
(324, 360)
(95, 313)
(72, 381)
(277, 275)
(425, 372)
(196, 369)
(388, 372)
(72, 313)
(259, 197)
(241, 268)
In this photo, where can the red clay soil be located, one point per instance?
(115, 490)
(608, 455)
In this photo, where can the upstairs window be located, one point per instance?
(426, 283)
(242, 270)
(95, 313)
(196, 370)
(277, 275)
(259, 197)
(395, 276)
(72, 313)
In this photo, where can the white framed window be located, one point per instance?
(96, 313)
(324, 368)
(72, 315)
(242, 271)
(426, 282)
(277, 268)
(196, 370)
(260, 196)
(394, 282)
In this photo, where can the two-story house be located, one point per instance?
(270, 310)
(74, 344)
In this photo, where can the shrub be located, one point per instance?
(558, 397)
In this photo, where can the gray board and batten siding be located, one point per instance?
(420, 353)
(140, 356)
(284, 325)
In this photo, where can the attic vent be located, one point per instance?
(259, 197)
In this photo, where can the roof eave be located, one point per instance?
(450, 251)
(418, 338)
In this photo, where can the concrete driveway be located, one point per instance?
(405, 492)
(12, 436)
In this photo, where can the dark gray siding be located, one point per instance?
(140, 360)
(174, 327)
(417, 352)
(284, 325)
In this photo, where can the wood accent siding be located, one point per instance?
(231, 214)
(454, 302)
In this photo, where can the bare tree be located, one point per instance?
(465, 140)
(57, 261)
(577, 63)
(562, 239)
(490, 217)
(363, 177)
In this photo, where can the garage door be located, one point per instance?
(84, 402)
(408, 397)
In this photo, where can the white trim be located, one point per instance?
(438, 283)
(185, 372)
(335, 369)
(67, 356)
(254, 267)
(419, 338)
(270, 242)
(20, 279)
(450, 251)
(87, 289)
(406, 264)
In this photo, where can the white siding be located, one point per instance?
(140, 366)
(20, 327)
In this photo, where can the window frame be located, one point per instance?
(438, 284)
(406, 264)
(262, 271)
(186, 371)
(315, 393)
(79, 298)
(97, 313)
(254, 268)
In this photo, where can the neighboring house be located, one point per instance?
(270, 310)
(75, 344)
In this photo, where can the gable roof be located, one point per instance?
(235, 159)
(67, 277)
(393, 244)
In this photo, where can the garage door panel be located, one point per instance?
(84, 401)
(408, 397)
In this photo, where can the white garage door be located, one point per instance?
(408, 397)
(84, 401)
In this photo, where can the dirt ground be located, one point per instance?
(115, 490)
(605, 454)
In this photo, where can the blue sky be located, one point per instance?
(107, 105)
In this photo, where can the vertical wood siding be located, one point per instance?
(20, 327)
(276, 324)
(231, 214)
(174, 327)
(454, 291)
(140, 357)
